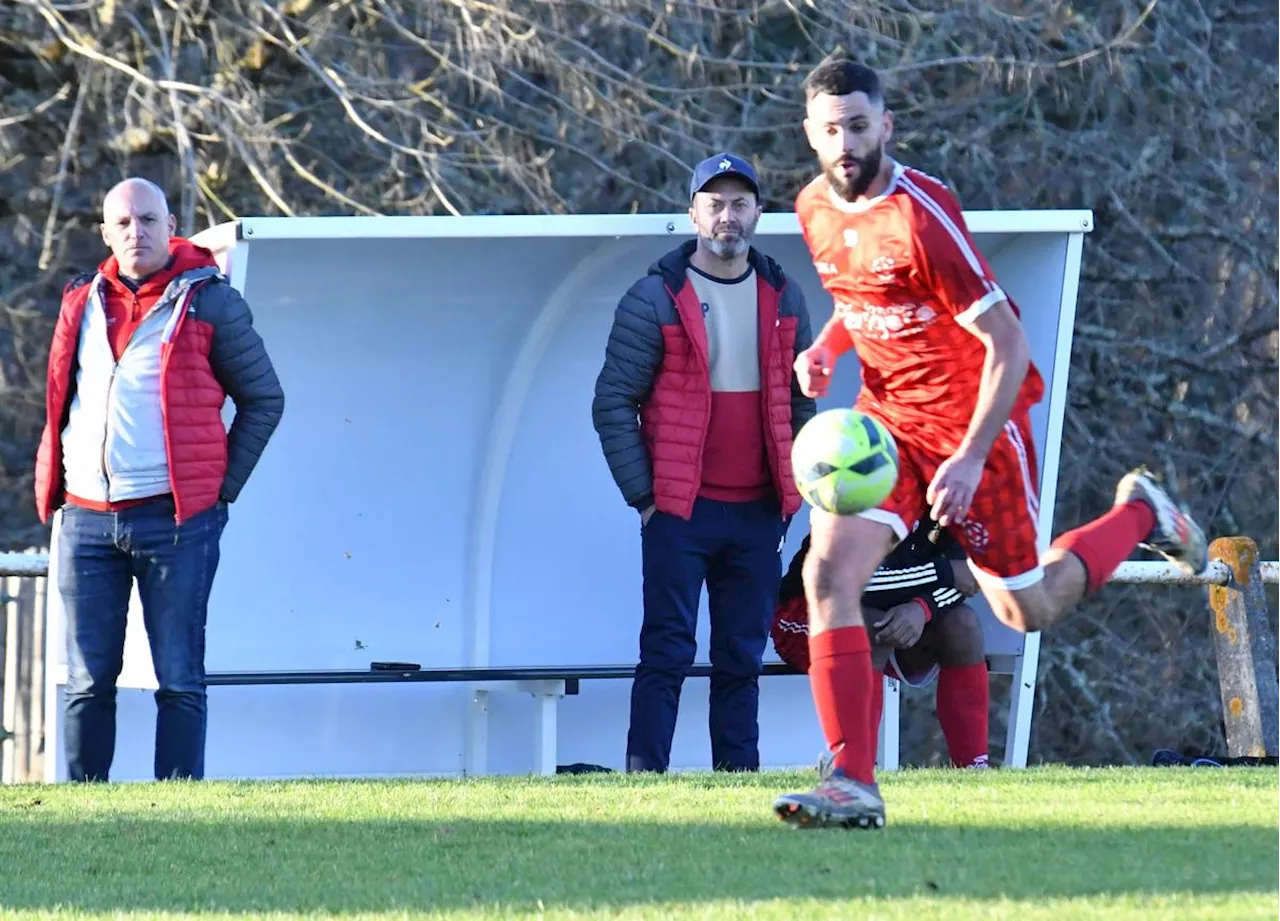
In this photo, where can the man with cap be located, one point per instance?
(696, 407)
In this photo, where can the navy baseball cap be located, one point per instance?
(724, 164)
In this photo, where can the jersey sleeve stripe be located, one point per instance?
(893, 575)
(994, 295)
(945, 596)
(900, 584)
(980, 306)
(957, 237)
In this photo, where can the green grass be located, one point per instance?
(1039, 844)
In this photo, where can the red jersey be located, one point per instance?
(906, 276)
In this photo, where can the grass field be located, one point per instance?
(1168, 843)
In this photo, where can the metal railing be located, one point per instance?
(32, 565)
(22, 692)
(1217, 573)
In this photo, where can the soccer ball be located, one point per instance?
(844, 462)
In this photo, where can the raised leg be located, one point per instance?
(1081, 561)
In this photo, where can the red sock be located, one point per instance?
(1106, 542)
(964, 697)
(840, 675)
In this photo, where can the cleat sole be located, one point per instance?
(799, 816)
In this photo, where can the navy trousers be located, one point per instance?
(100, 554)
(735, 549)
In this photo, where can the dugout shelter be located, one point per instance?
(436, 495)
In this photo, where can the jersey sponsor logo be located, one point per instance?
(894, 321)
(826, 268)
(851, 238)
(882, 267)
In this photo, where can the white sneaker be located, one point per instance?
(1175, 536)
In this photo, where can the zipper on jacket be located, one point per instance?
(111, 381)
(106, 427)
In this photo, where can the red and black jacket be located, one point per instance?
(652, 403)
(214, 353)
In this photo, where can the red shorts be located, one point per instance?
(1000, 534)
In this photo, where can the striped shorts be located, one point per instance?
(1001, 530)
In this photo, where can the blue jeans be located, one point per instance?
(735, 548)
(99, 556)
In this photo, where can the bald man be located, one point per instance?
(136, 460)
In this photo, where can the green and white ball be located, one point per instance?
(844, 462)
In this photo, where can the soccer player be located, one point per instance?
(922, 632)
(946, 368)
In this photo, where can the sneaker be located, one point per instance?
(1176, 536)
(837, 801)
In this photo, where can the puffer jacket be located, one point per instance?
(652, 404)
(211, 352)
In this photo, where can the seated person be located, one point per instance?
(921, 630)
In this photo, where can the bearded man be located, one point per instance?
(696, 407)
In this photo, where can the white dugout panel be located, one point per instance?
(436, 492)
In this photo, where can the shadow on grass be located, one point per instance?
(170, 863)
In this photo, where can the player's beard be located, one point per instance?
(731, 246)
(868, 169)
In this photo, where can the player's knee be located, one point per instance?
(819, 589)
(959, 637)
(822, 578)
(1027, 612)
(828, 589)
